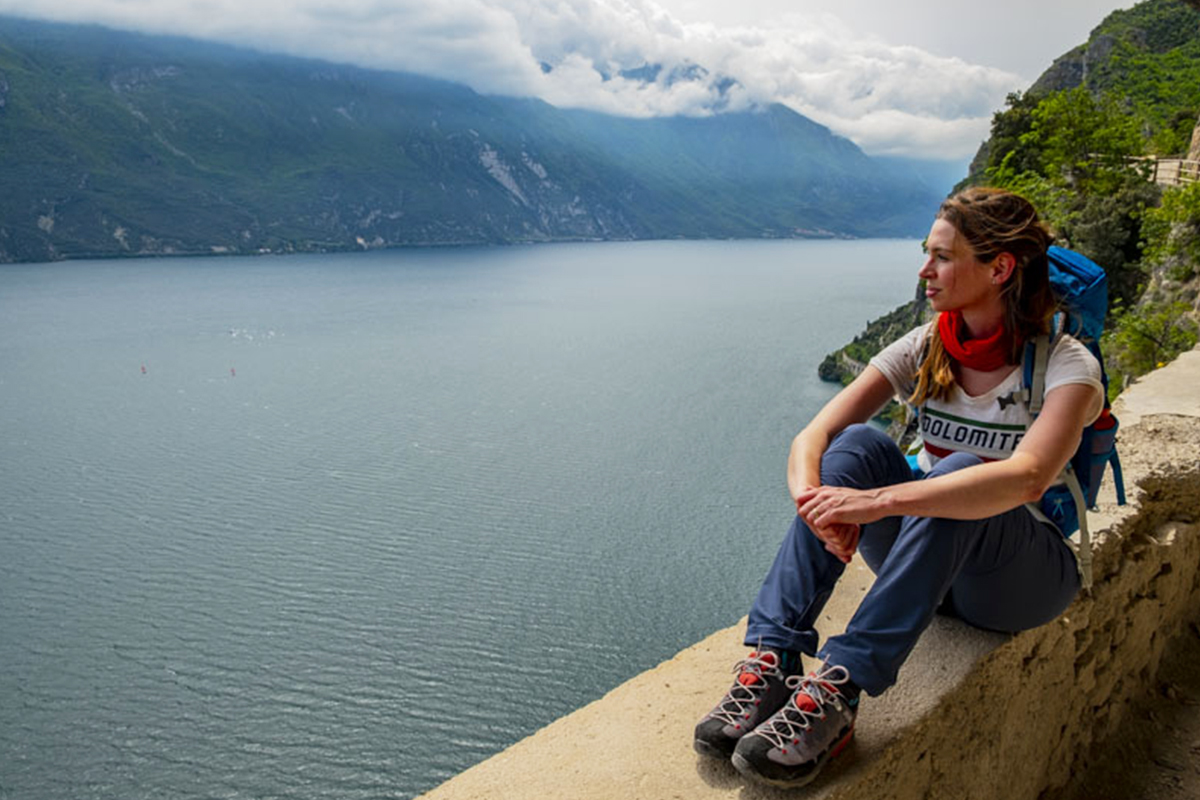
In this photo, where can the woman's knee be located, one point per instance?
(953, 463)
(860, 436)
(863, 456)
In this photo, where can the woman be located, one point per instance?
(960, 538)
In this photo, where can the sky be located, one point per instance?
(919, 78)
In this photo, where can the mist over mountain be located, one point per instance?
(116, 143)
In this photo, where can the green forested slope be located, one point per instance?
(115, 143)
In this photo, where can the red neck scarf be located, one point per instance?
(984, 355)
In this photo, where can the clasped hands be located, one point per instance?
(835, 515)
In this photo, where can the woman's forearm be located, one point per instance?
(974, 493)
(865, 395)
(804, 461)
(995, 487)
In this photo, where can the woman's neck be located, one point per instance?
(984, 320)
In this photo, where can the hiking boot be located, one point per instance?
(759, 691)
(792, 746)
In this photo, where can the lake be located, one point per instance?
(344, 525)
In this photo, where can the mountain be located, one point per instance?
(1081, 144)
(1147, 56)
(115, 143)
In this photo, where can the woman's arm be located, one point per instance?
(858, 402)
(976, 492)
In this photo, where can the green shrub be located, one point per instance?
(1172, 232)
(1140, 340)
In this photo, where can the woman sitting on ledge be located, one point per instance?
(959, 539)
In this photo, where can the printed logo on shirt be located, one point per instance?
(988, 439)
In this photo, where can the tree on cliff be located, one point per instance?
(1071, 144)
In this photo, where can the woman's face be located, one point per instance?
(954, 277)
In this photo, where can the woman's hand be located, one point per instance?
(823, 506)
(840, 539)
(834, 514)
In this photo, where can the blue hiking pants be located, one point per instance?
(1005, 573)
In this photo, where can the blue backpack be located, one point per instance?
(1081, 288)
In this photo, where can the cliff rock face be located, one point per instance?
(1067, 72)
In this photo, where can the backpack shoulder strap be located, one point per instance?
(1033, 376)
(1037, 358)
(1036, 372)
(1083, 553)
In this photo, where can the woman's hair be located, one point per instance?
(993, 221)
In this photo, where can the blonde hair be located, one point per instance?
(994, 221)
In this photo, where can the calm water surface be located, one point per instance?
(342, 526)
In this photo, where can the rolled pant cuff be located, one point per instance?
(865, 676)
(771, 637)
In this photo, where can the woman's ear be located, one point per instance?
(1002, 268)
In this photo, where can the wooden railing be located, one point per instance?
(1175, 171)
(1168, 171)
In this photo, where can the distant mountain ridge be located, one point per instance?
(115, 143)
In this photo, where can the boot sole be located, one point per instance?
(711, 750)
(746, 768)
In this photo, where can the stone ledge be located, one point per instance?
(974, 714)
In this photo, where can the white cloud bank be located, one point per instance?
(889, 99)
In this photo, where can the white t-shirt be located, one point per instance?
(989, 425)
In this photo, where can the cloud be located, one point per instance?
(626, 57)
